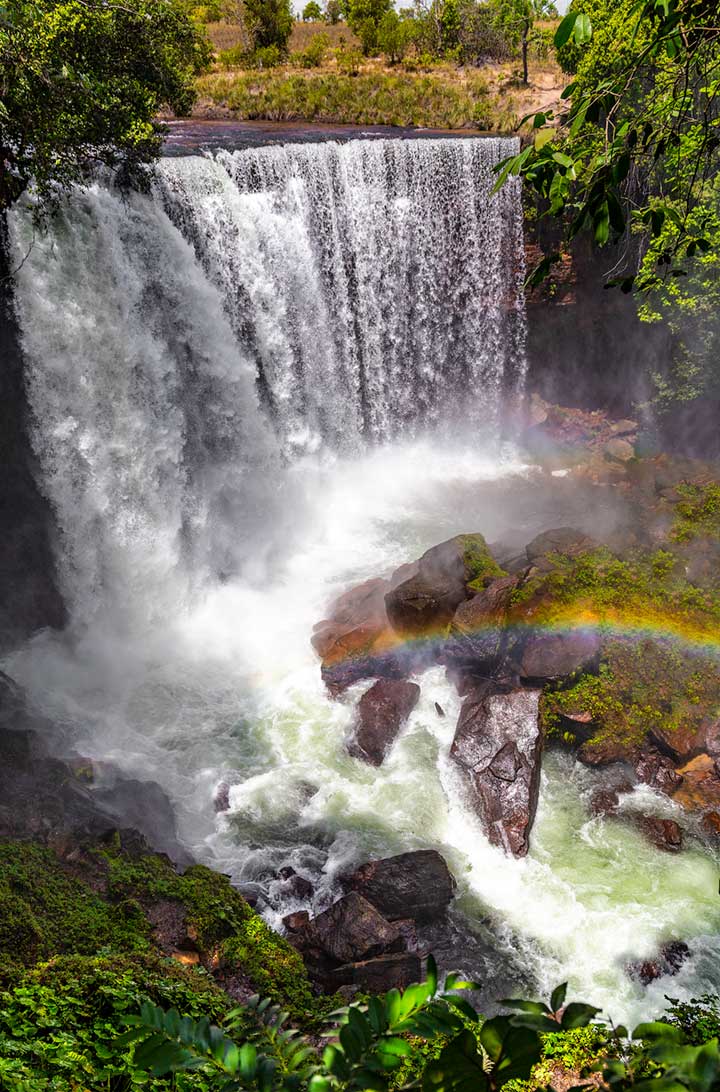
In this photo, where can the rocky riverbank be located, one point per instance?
(604, 647)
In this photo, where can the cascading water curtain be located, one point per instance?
(181, 346)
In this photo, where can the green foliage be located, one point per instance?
(516, 18)
(698, 1019)
(697, 513)
(333, 12)
(354, 97)
(222, 922)
(479, 563)
(81, 83)
(638, 140)
(312, 12)
(269, 23)
(394, 36)
(59, 1021)
(314, 55)
(364, 17)
(45, 911)
(639, 686)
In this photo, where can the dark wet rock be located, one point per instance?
(558, 540)
(439, 709)
(398, 663)
(427, 601)
(350, 930)
(30, 599)
(688, 741)
(297, 921)
(477, 632)
(604, 802)
(378, 975)
(657, 770)
(498, 745)
(605, 752)
(668, 961)
(554, 655)
(382, 711)
(663, 833)
(145, 806)
(221, 799)
(295, 886)
(415, 885)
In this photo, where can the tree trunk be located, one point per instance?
(525, 36)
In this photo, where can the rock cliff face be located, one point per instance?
(29, 597)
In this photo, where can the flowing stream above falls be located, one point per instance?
(282, 372)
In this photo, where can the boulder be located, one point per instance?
(415, 885)
(477, 632)
(604, 752)
(657, 770)
(382, 711)
(397, 971)
(698, 786)
(688, 741)
(357, 624)
(668, 961)
(498, 745)
(555, 655)
(350, 930)
(559, 540)
(619, 451)
(295, 886)
(663, 833)
(446, 575)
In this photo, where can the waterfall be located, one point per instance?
(182, 346)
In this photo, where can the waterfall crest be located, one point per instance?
(182, 346)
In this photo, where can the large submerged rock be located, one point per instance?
(498, 745)
(415, 885)
(381, 713)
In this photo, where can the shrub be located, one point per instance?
(314, 55)
(312, 12)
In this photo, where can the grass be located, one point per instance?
(347, 88)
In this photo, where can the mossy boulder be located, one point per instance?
(103, 899)
(447, 574)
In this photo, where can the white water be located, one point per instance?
(195, 558)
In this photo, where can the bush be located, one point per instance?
(314, 55)
(312, 12)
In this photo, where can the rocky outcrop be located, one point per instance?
(381, 713)
(498, 745)
(446, 575)
(663, 833)
(415, 885)
(349, 931)
(478, 635)
(668, 961)
(47, 799)
(357, 625)
(547, 656)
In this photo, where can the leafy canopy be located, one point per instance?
(639, 132)
(81, 82)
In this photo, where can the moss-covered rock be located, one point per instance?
(104, 899)
(646, 688)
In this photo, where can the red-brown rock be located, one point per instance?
(498, 744)
(555, 655)
(663, 833)
(382, 711)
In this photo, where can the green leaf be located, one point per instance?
(582, 29)
(557, 998)
(565, 30)
(524, 1006)
(459, 1068)
(577, 1015)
